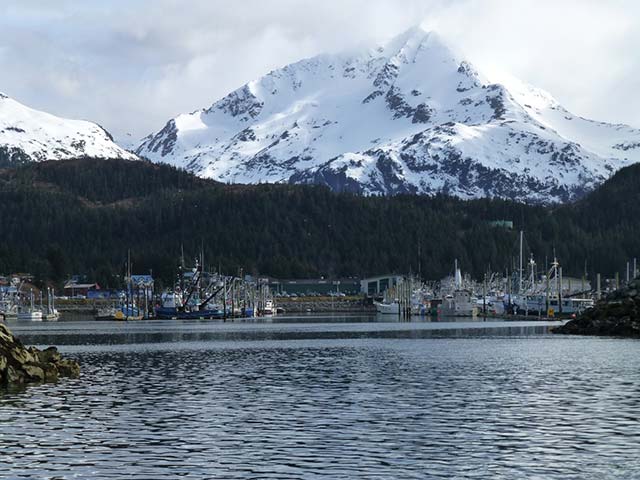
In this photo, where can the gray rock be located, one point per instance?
(20, 364)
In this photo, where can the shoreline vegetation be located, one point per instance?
(20, 365)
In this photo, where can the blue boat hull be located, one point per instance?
(173, 313)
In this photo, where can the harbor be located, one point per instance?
(527, 291)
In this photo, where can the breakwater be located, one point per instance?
(618, 314)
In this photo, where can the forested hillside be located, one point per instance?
(81, 216)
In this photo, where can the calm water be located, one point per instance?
(326, 398)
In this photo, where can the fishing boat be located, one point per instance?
(410, 289)
(33, 316)
(49, 312)
(51, 316)
(492, 303)
(196, 300)
(129, 308)
(109, 314)
(173, 313)
(130, 312)
(541, 304)
(119, 314)
(263, 300)
(8, 309)
(30, 315)
(268, 308)
(460, 303)
(29, 312)
(388, 308)
(549, 297)
(134, 305)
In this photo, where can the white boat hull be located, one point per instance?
(539, 304)
(458, 311)
(388, 308)
(458, 305)
(30, 316)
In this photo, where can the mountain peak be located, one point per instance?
(413, 35)
(411, 116)
(27, 135)
(407, 46)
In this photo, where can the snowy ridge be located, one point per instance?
(408, 117)
(30, 135)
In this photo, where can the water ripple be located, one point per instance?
(281, 405)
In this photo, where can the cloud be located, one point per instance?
(133, 65)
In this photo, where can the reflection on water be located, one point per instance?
(327, 398)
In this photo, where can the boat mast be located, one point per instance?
(521, 260)
(532, 280)
(555, 270)
(419, 262)
(129, 286)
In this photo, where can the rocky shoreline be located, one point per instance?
(618, 314)
(21, 365)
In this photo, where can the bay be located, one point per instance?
(326, 397)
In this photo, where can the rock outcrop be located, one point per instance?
(618, 314)
(20, 364)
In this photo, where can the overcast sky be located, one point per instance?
(130, 65)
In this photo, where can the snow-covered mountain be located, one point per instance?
(406, 117)
(30, 135)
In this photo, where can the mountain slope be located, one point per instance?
(409, 117)
(30, 135)
(82, 216)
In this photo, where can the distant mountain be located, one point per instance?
(408, 117)
(28, 135)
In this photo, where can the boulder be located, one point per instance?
(21, 355)
(51, 373)
(20, 364)
(49, 355)
(5, 334)
(34, 373)
(14, 376)
(68, 368)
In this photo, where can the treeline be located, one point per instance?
(82, 216)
